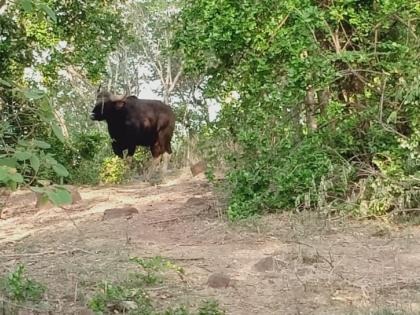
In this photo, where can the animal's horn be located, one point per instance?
(117, 98)
(99, 88)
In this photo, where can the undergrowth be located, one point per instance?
(19, 291)
(131, 296)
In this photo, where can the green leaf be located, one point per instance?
(22, 155)
(43, 199)
(34, 94)
(35, 163)
(40, 190)
(392, 118)
(57, 131)
(4, 174)
(60, 170)
(10, 162)
(49, 12)
(41, 144)
(49, 160)
(23, 143)
(3, 82)
(16, 177)
(8, 174)
(26, 5)
(59, 196)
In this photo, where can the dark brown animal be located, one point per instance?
(132, 122)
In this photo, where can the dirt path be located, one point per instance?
(278, 265)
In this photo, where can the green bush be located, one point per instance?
(118, 298)
(320, 102)
(114, 170)
(19, 287)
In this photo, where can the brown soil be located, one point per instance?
(281, 264)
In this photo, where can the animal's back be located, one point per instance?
(152, 109)
(147, 118)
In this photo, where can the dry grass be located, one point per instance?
(321, 266)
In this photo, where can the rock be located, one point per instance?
(218, 280)
(198, 168)
(115, 213)
(265, 264)
(194, 202)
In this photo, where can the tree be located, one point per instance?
(146, 55)
(40, 42)
(326, 93)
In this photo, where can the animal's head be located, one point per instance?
(107, 105)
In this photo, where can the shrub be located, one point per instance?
(114, 170)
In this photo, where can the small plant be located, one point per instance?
(176, 311)
(140, 158)
(119, 299)
(210, 307)
(131, 297)
(114, 170)
(153, 265)
(19, 287)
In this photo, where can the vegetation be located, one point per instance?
(41, 44)
(320, 101)
(130, 297)
(19, 287)
(319, 108)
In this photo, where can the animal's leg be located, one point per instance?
(164, 140)
(131, 150)
(156, 150)
(152, 170)
(117, 150)
(165, 158)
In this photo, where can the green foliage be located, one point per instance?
(28, 162)
(19, 287)
(130, 297)
(210, 307)
(318, 99)
(114, 170)
(83, 155)
(116, 298)
(152, 266)
(41, 25)
(57, 194)
(38, 40)
(140, 159)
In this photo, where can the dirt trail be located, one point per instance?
(278, 265)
